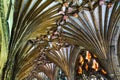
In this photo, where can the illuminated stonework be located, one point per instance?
(46, 37)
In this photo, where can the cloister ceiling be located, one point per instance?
(47, 34)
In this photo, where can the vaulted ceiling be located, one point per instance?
(38, 36)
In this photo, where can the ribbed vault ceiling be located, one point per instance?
(47, 34)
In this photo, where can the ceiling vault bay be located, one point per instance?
(59, 29)
(94, 30)
(29, 22)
